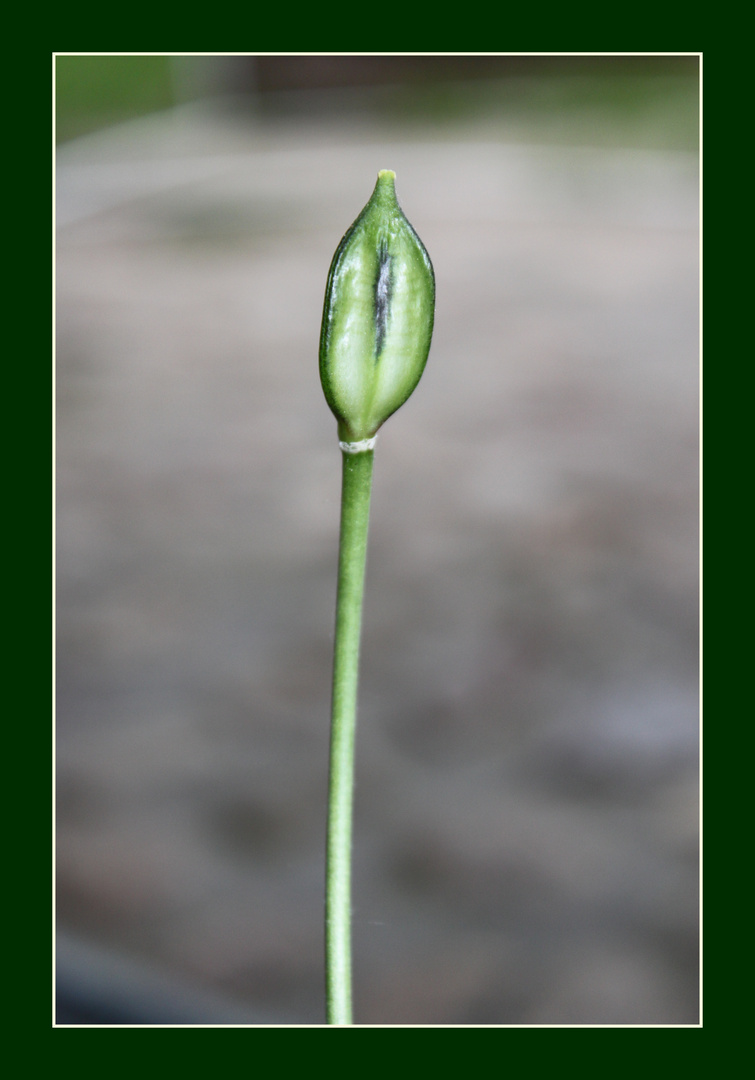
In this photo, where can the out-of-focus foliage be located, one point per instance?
(648, 102)
(93, 92)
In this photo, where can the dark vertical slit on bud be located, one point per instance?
(383, 291)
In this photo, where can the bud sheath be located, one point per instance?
(378, 316)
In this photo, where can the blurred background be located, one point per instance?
(525, 847)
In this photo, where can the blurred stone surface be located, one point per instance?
(526, 796)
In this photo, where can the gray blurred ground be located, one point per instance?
(526, 807)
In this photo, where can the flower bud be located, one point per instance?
(378, 316)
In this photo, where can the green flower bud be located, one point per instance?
(378, 316)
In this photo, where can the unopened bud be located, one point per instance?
(378, 316)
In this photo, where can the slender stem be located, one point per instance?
(355, 511)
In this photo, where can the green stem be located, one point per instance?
(355, 511)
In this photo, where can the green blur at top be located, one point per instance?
(93, 92)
